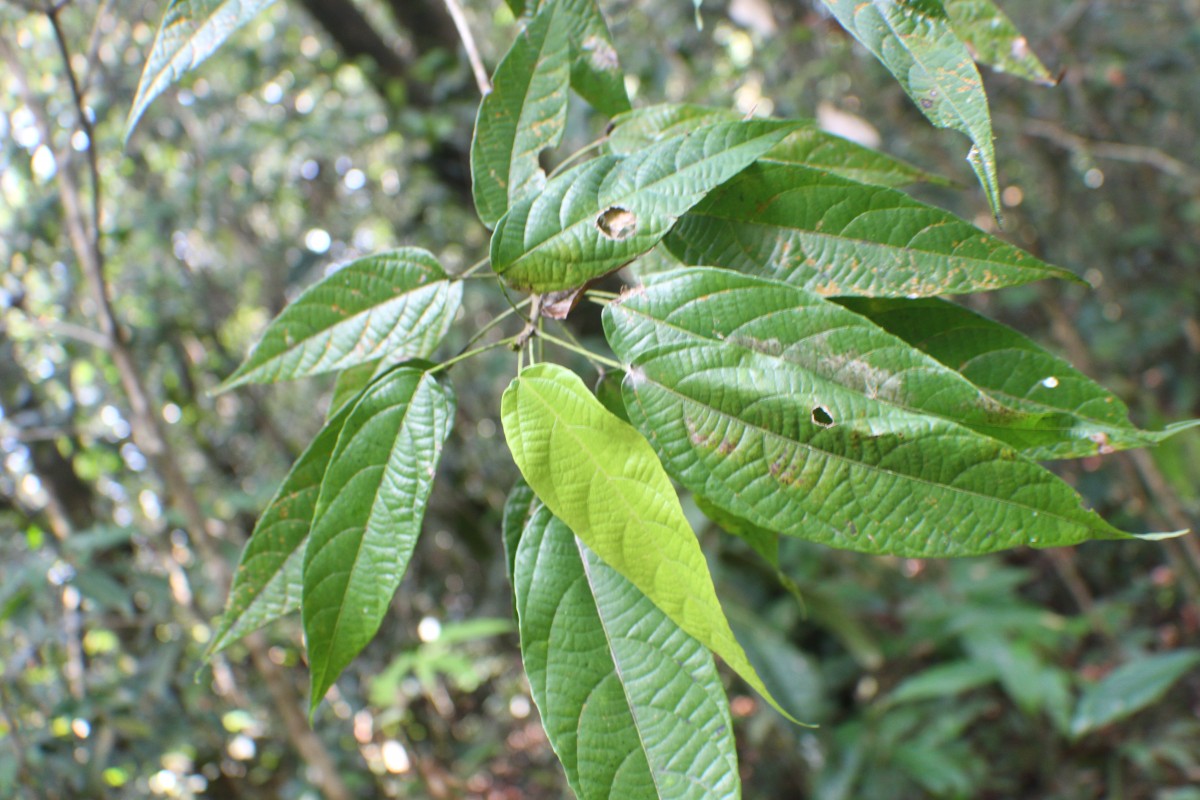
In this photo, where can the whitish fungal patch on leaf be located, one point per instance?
(617, 223)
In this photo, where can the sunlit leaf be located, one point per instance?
(596, 217)
(994, 40)
(915, 41)
(600, 477)
(1079, 417)
(191, 31)
(595, 70)
(1130, 688)
(368, 515)
(524, 114)
(838, 237)
(808, 146)
(393, 306)
(632, 705)
(756, 423)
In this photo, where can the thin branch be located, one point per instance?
(85, 123)
(1115, 151)
(464, 32)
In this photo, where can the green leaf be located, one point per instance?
(632, 705)
(785, 669)
(598, 216)
(600, 477)
(779, 418)
(1079, 417)
(994, 40)
(915, 41)
(368, 515)
(350, 383)
(190, 32)
(518, 508)
(608, 392)
(838, 237)
(392, 306)
(268, 582)
(595, 71)
(1130, 688)
(808, 146)
(944, 680)
(524, 114)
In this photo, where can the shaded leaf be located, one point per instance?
(595, 69)
(764, 432)
(915, 41)
(788, 672)
(392, 306)
(838, 237)
(1079, 417)
(994, 40)
(1130, 688)
(518, 508)
(190, 32)
(608, 392)
(368, 515)
(269, 580)
(523, 115)
(944, 680)
(600, 477)
(594, 218)
(632, 705)
(350, 383)
(808, 146)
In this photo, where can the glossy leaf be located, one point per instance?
(1130, 688)
(791, 429)
(190, 32)
(994, 40)
(1084, 418)
(368, 515)
(838, 237)
(523, 115)
(598, 216)
(632, 705)
(393, 306)
(808, 146)
(269, 578)
(600, 477)
(915, 41)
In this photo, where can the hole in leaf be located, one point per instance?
(820, 416)
(617, 223)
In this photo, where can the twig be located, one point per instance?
(1115, 151)
(464, 32)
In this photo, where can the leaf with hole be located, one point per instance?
(368, 515)
(632, 705)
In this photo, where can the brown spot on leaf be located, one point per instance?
(617, 223)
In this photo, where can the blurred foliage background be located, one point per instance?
(333, 128)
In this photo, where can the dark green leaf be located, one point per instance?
(1130, 688)
(994, 40)
(632, 705)
(596, 217)
(350, 383)
(518, 508)
(608, 392)
(368, 515)
(392, 306)
(838, 237)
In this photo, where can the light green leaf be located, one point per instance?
(915, 41)
(808, 146)
(1079, 417)
(190, 32)
(632, 705)
(368, 515)
(994, 40)
(524, 114)
(1130, 688)
(838, 237)
(268, 582)
(600, 477)
(785, 422)
(393, 306)
(598, 216)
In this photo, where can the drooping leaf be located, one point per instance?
(915, 41)
(994, 40)
(632, 705)
(191, 31)
(838, 237)
(596, 217)
(1130, 688)
(808, 146)
(368, 515)
(524, 114)
(595, 70)
(1017, 372)
(600, 477)
(268, 582)
(775, 440)
(392, 306)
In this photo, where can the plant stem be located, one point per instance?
(566, 162)
(588, 354)
(465, 355)
(471, 270)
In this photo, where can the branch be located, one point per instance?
(464, 33)
(1115, 151)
